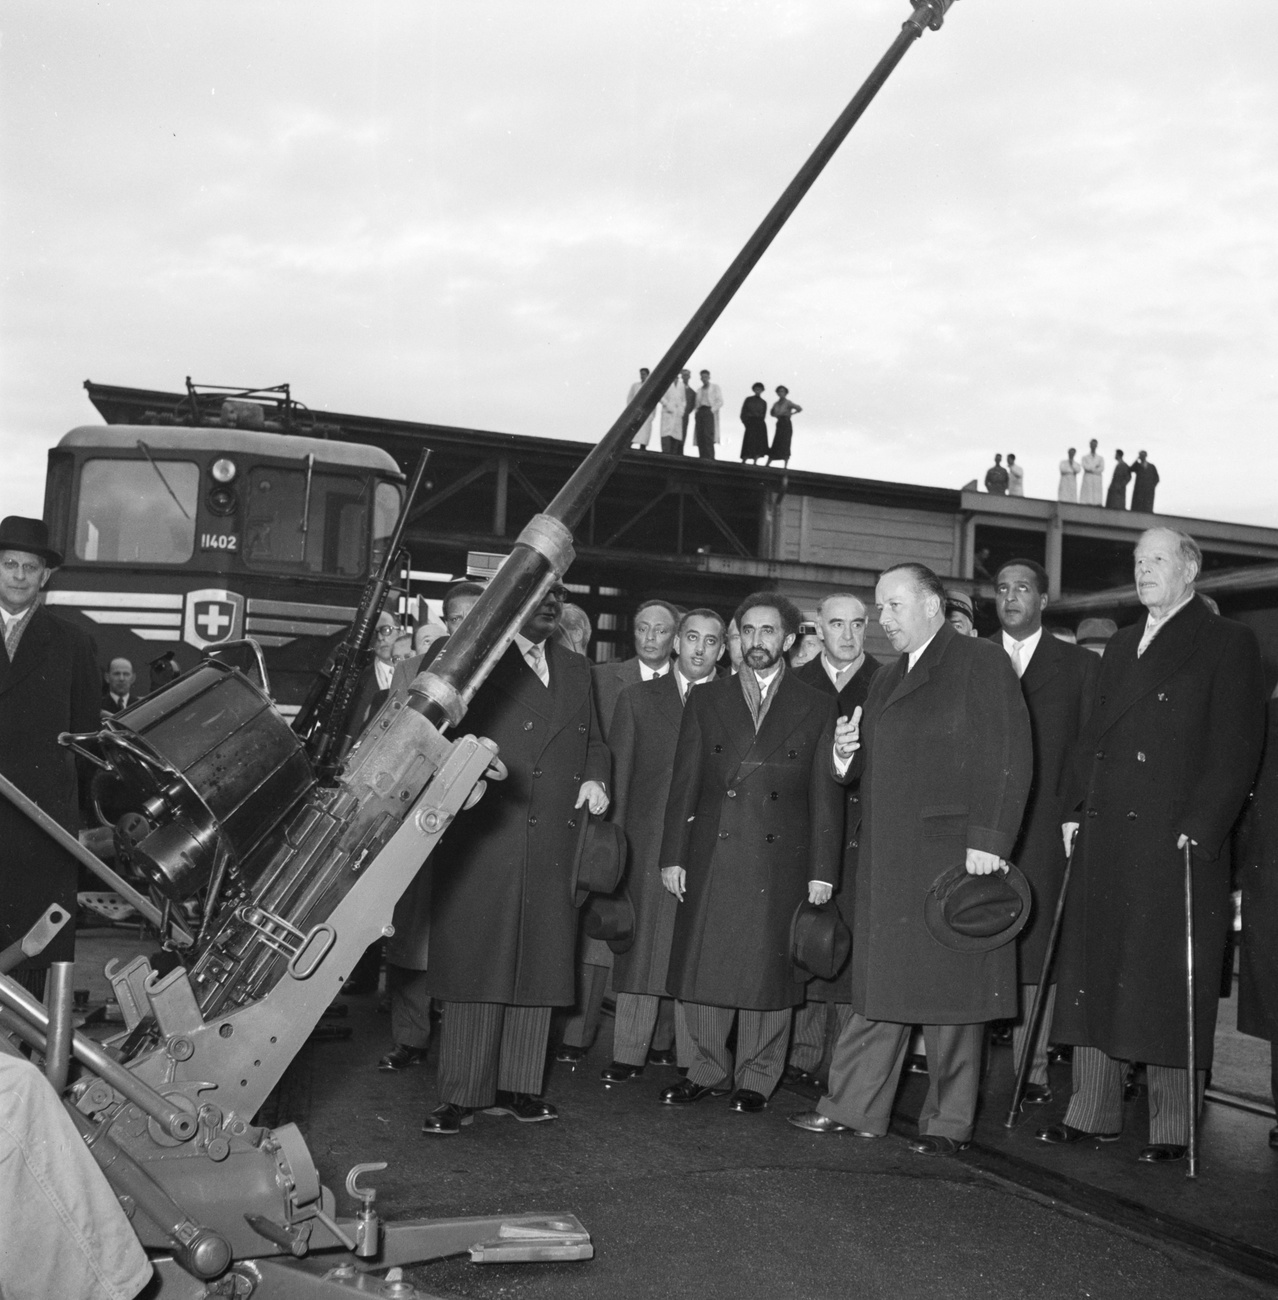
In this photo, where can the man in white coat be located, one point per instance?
(644, 431)
(1070, 470)
(1093, 493)
(674, 411)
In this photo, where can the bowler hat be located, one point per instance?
(977, 913)
(610, 917)
(32, 535)
(819, 940)
(600, 857)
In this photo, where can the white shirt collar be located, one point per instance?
(847, 672)
(1151, 621)
(914, 654)
(765, 683)
(384, 673)
(686, 684)
(525, 644)
(646, 674)
(1028, 646)
(10, 619)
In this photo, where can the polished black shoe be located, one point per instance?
(685, 1092)
(747, 1102)
(401, 1056)
(792, 1074)
(661, 1058)
(1059, 1135)
(1059, 1053)
(933, 1144)
(570, 1055)
(448, 1119)
(814, 1122)
(526, 1108)
(1273, 1137)
(619, 1072)
(1159, 1153)
(1036, 1094)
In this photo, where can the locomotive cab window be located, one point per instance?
(280, 531)
(137, 512)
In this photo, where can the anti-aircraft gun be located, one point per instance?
(299, 867)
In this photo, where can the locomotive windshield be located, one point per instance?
(282, 534)
(137, 512)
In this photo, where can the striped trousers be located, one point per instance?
(1097, 1103)
(807, 1043)
(761, 1041)
(643, 1021)
(487, 1046)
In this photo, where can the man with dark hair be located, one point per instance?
(1146, 477)
(752, 828)
(654, 632)
(845, 670)
(1165, 761)
(643, 735)
(944, 757)
(996, 477)
(49, 684)
(1058, 682)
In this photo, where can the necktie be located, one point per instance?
(536, 657)
(1016, 658)
(119, 704)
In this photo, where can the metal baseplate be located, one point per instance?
(496, 1239)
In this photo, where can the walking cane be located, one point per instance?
(1191, 1170)
(1040, 993)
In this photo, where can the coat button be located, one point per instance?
(718, 749)
(794, 753)
(1091, 812)
(576, 776)
(732, 794)
(537, 772)
(853, 844)
(528, 727)
(1140, 758)
(774, 797)
(581, 728)
(1162, 695)
(1131, 817)
(770, 838)
(723, 835)
(1100, 753)
(532, 821)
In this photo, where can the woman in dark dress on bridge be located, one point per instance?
(754, 410)
(782, 409)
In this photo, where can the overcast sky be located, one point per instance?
(1058, 221)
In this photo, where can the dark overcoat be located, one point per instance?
(1059, 685)
(1256, 857)
(503, 926)
(751, 819)
(1171, 747)
(52, 685)
(945, 765)
(642, 738)
(610, 680)
(851, 697)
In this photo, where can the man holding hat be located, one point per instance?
(49, 683)
(944, 757)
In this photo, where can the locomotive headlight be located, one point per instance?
(224, 469)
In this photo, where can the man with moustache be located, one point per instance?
(943, 754)
(503, 925)
(654, 632)
(1166, 760)
(843, 669)
(643, 736)
(1059, 682)
(752, 827)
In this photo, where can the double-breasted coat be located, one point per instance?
(610, 680)
(1171, 747)
(503, 926)
(642, 738)
(1059, 684)
(1256, 858)
(51, 686)
(945, 765)
(751, 818)
(851, 697)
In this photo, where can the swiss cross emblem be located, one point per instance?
(212, 616)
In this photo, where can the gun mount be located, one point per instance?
(300, 862)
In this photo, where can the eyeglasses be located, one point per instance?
(387, 631)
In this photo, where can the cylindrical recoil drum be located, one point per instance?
(210, 766)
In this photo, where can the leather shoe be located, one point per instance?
(619, 1072)
(526, 1108)
(792, 1074)
(569, 1054)
(401, 1056)
(933, 1144)
(448, 1119)
(1159, 1153)
(814, 1122)
(1036, 1094)
(747, 1102)
(661, 1058)
(1059, 1135)
(685, 1092)
(1273, 1137)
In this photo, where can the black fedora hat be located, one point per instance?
(610, 917)
(599, 859)
(977, 913)
(819, 940)
(31, 535)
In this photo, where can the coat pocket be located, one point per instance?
(944, 821)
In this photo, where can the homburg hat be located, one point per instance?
(819, 940)
(610, 917)
(599, 859)
(977, 913)
(32, 535)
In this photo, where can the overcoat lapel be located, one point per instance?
(666, 702)
(778, 723)
(32, 652)
(1043, 667)
(1167, 652)
(734, 714)
(922, 670)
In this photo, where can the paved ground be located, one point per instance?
(705, 1203)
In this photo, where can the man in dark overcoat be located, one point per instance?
(843, 669)
(1167, 757)
(753, 826)
(944, 758)
(654, 632)
(1059, 683)
(503, 925)
(642, 738)
(49, 683)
